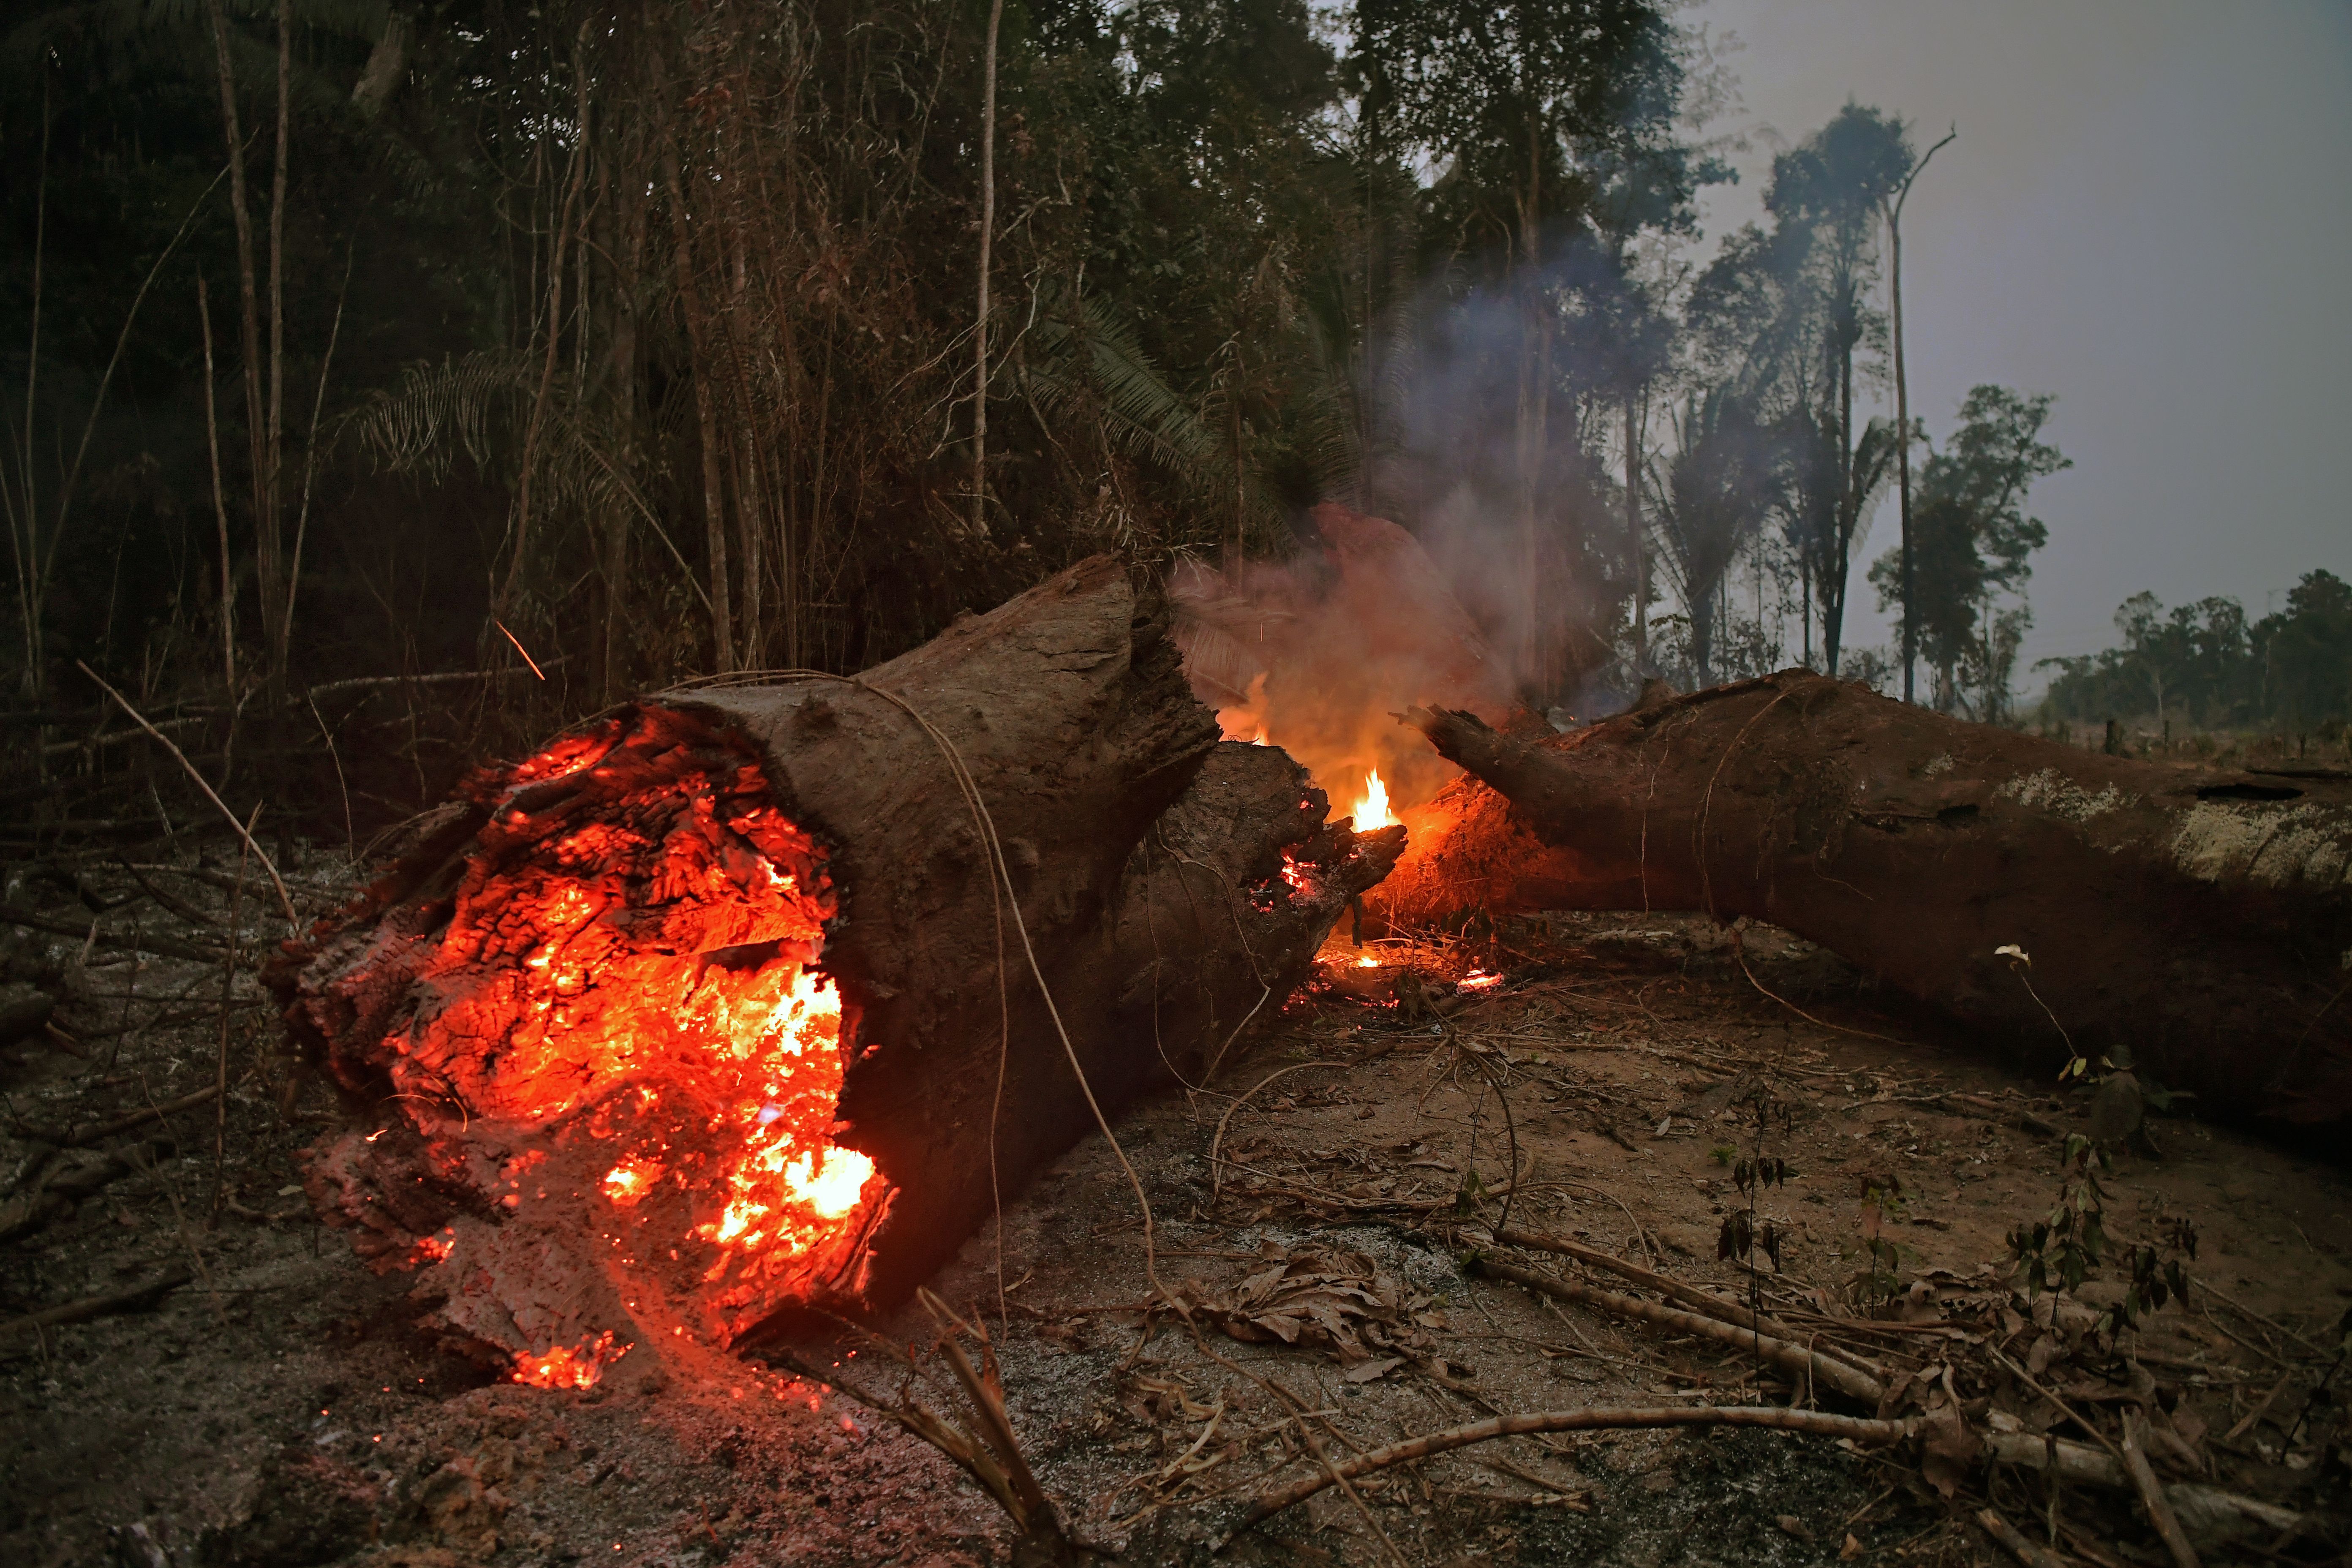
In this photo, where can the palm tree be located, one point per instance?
(1725, 478)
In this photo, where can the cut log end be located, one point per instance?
(693, 1019)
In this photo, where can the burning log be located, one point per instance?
(2202, 916)
(729, 1005)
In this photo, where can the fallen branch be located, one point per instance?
(57, 1193)
(130, 1300)
(1585, 1420)
(1822, 808)
(2200, 1508)
(1850, 1381)
(163, 946)
(84, 1134)
(1688, 1295)
(2024, 1551)
(2152, 1498)
(449, 677)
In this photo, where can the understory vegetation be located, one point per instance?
(411, 378)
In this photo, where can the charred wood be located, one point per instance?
(2201, 917)
(1167, 888)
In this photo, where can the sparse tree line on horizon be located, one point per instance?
(2205, 667)
(641, 341)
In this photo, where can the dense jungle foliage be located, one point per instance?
(351, 344)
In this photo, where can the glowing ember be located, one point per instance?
(1478, 980)
(1373, 805)
(577, 1367)
(628, 1182)
(1368, 962)
(632, 987)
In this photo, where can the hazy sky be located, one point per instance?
(2148, 212)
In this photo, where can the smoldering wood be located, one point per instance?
(2202, 917)
(1147, 857)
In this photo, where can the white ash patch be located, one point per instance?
(2053, 791)
(1938, 765)
(2266, 843)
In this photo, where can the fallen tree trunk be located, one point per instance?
(728, 1004)
(2200, 916)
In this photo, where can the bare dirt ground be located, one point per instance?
(278, 1408)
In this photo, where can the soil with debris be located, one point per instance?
(232, 1387)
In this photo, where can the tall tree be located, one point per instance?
(2307, 652)
(1720, 484)
(1892, 206)
(1827, 191)
(1975, 544)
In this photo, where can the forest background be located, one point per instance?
(420, 376)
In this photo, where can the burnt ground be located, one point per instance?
(279, 1408)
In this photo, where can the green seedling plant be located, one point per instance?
(1743, 1234)
(2059, 1251)
(1881, 1205)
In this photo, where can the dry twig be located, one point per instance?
(1586, 1420)
(1851, 1381)
(2024, 1551)
(2152, 1498)
(293, 921)
(1689, 1296)
(136, 1296)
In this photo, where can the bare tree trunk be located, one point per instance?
(714, 500)
(750, 514)
(31, 582)
(1842, 534)
(220, 503)
(987, 235)
(628, 255)
(248, 287)
(277, 592)
(1903, 408)
(1902, 448)
(1535, 376)
(1633, 537)
(575, 177)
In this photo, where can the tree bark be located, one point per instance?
(987, 235)
(1171, 887)
(2202, 917)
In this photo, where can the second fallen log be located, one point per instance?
(2202, 917)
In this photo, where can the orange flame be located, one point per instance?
(1373, 805)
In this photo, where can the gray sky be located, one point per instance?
(2148, 212)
